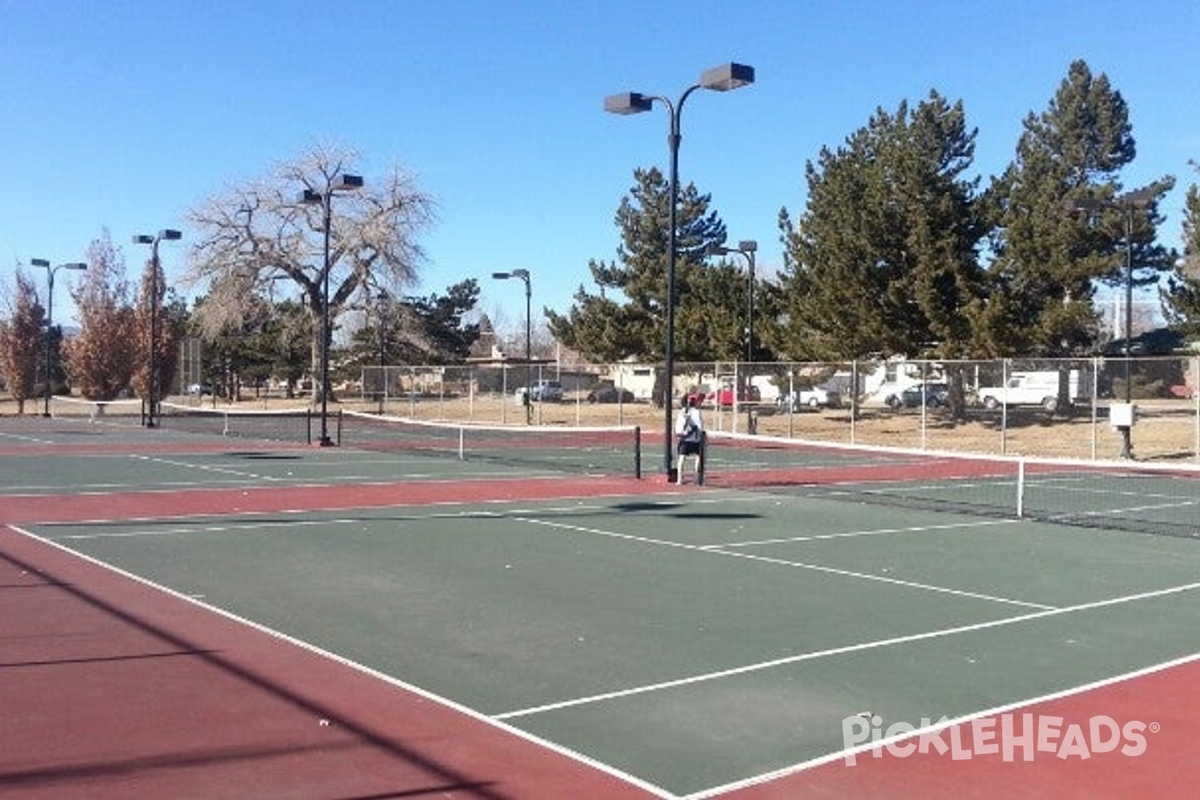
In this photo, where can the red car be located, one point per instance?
(747, 393)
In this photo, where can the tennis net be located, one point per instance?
(286, 425)
(1132, 496)
(603, 450)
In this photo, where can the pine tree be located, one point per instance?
(884, 261)
(1182, 296)
(419, 330)
(628, 315)
(1049, 254)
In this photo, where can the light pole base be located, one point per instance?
(1126, 432)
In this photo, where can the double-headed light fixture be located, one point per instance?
(339, 185)
(719, 79)
(50, 271)
(169, 235)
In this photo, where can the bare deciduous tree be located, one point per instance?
(260, 231)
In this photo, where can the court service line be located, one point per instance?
(206, 468)
(928, 587)
(23, 438)
(835, 651)
(853, 534)
(271, 526)
(1130, 509)
(268, 526)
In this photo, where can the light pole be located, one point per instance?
(746, 248)
(41, 262)
(721, 79)
(381, 306)
(1129, 201)
(152, 388)
(523, 274)
(340, 184)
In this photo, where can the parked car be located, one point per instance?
(542, 391)
(1035, 388)
(813, 398)
(932, 394)
(200, 389)
(723, 396)
(609, 394)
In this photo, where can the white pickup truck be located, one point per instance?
(813, 398)
(1028, 389)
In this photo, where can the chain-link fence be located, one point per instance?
(1041, 407)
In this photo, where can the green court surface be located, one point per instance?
(693, 639)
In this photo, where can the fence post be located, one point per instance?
(1196, 396)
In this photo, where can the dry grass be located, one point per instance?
(1165, 430)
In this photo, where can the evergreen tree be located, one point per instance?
(438, 320)
(418, 330)
(884, 260)
(1182, 296)
(1060, 225)
(628, 315)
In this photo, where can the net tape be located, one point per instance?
(607, 450)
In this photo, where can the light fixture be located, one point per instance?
(720, 79)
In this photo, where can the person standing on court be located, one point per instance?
(689, 429)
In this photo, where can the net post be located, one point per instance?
(462, 444)
(1020, 488)
(637, 450)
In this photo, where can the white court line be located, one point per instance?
(271, 526)
(300, 483)
(1128, 510)
(785, 562)
(834, 651)
(26, 438)
(445, 702)
(400, 503)
(854, 534)
(170, 462)
(718, 791)
(266, 526)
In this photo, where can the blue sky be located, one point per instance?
(123, 114)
